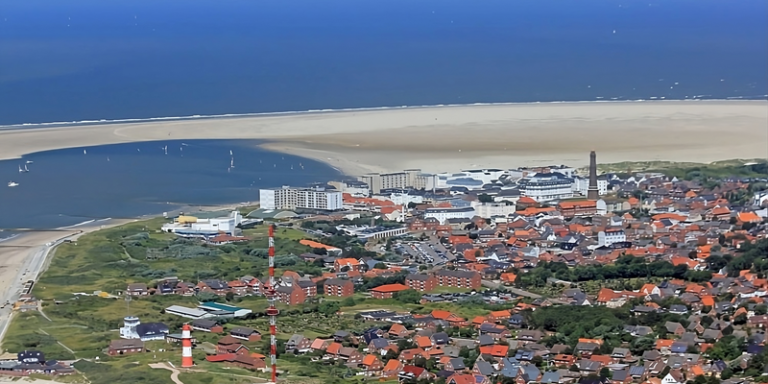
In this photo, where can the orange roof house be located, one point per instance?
(749, 217)
(423, 342)
(390, 288)
(440, 314)
(392, 368)
(495, 350)
(664, 343)
(333, 349)
(315, 244)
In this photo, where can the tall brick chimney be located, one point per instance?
(592, 192)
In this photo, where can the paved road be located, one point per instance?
(517, 291)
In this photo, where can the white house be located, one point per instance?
(611, 236)
(677, 378)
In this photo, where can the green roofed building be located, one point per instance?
(220, 309)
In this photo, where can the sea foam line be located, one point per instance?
(332, 110)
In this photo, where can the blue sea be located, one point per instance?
(90, 60)
(69, 186)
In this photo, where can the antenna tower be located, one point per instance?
(272, 312)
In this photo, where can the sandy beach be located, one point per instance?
(26, 256)
(450, 138)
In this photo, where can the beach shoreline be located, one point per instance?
(450, 138)
(27, 255)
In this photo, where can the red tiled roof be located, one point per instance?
(386, 288)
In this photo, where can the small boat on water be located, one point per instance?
(30, 161)
(12, 184)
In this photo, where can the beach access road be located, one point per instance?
(26, 257)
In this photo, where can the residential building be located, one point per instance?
(309, 288)
(387, 291)
(488, 210)
(125, 347)
(137, 289)
(611, 236)
(581, 186)
(410, 178)
(291, 295)
(421, 283)
(544, 187)
(307, 198)
(444, 214)
(339, 287)
(245, 333)
(458, 279)
(577, 208)
(348, 264)
(206, 325)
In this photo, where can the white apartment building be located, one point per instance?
(581, 186)
(611, 236)
(410, 178)
(443, 214)
(547, 187)
(488, 210)
(293, 198)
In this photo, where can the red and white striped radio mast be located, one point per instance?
(272, 312)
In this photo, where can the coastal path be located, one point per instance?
(174, 372)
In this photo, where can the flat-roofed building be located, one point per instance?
(307, 198)
(189, 313)
(214, 307)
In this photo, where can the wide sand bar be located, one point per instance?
(450, 138)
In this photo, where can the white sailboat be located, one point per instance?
(232, 162)
(165, 149)
(30, 161)
(85, 152)
(12, 184)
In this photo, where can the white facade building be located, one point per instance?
(410, 178)
(547, 187)
(293, 198)
(488, 210)
(191, 226)
(404, 199)
(581, 186)
(611, 236)
(443, 214)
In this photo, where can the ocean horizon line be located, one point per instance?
(600, 99)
